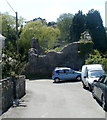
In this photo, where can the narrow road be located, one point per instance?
(45, 99)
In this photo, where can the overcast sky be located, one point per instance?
(51, 9)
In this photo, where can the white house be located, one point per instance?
(2, 41)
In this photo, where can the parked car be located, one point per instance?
(65, 73)
(90, 73)
(100, 90)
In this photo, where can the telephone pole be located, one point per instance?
(16, 25)
(17, 32)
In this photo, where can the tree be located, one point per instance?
(13, 63)
(51, 23)
(96, 30)
(96, 57)
(78, 25)
(47, 35)
(9, 30)
(64, 23)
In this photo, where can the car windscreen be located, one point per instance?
(95, 73)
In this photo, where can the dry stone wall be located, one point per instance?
(10, 89)
(45, 64)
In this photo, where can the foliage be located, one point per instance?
(85, 48)
(93, 23)
(9, 30)
(97, 30)
(47, 35)
(56, 49)
(52, 36)
(97, 57)
(64, 23)
(51, 23)
(12, 64)
(78, 25)
(86, 36)
(40, 19)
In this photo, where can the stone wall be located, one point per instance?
(11, 89)
(7, 94)
(45, 64)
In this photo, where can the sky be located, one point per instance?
(51, 9)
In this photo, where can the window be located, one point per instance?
(105, 81)
(95, 73)
(57, 71)
(61, 71)
(66, 71)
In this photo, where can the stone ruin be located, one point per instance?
(43, 64)
(35, 46)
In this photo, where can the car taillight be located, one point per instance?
(52, 74)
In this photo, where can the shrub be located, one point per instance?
(97, 58)
(85, 48)
(12, 64)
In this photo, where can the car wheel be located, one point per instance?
(78, 78)
(84, 86)
(56, 80)
(104, 103)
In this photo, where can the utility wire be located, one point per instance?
(10, 6)
(16, 23)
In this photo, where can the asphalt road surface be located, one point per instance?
(45, 99)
